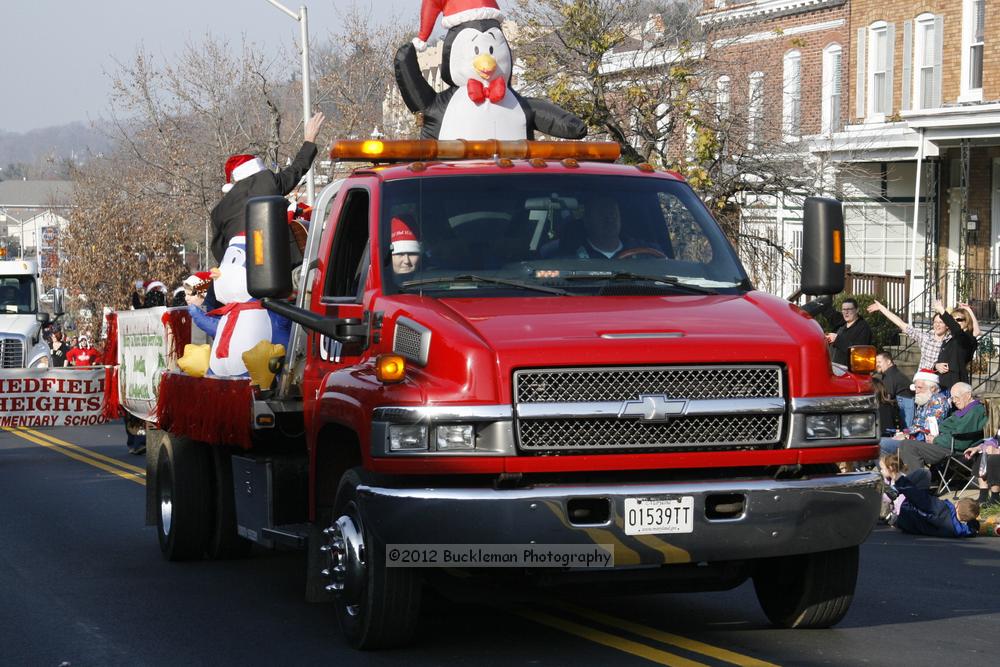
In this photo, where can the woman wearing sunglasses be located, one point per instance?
(958, 346)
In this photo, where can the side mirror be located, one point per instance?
(58, 295)
(822, 246)
(43, 318)
(269, 265)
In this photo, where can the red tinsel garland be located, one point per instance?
(210, 409)
(111, 342)
(111, 404)
(177, 323)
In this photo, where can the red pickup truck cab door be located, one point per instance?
(338, 291)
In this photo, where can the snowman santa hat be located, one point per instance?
(239, 167)
(455, 12)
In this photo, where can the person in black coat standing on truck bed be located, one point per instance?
(854, 331)
(247, 176)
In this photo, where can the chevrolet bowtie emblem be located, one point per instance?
(652, 407)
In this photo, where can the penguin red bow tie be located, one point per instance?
(478, 93)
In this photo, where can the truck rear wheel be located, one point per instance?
(808, 590)
(184, 498)
(225, 541)
(377, 606)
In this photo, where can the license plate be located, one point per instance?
(656, 516)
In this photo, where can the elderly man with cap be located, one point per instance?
(247, 176)
(404, 247)
(960, 430)
(931, 407)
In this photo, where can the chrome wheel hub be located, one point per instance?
(346, 562)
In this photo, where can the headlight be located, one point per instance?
(822, 426)
(861, 425)
(407, 437)
(40, 362)
(455, 436)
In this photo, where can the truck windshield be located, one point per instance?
(17, 294)
(566, 234)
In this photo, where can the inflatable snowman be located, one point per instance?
(241, 323)
(476, 63)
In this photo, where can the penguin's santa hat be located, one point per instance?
(454, 13)
(154, 285)
(239, 167)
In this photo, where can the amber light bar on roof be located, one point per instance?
(407, 150)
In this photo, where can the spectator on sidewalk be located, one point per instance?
(896, 385)
(854, 331)
(929, 341)
(58, 348)
(924, 514)
(987, 469)
(931, 406)
(956, 433)
(958, 347)
(83, 354)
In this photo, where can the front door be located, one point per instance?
(995, 218)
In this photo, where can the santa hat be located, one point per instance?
(197, 280)
(179, 290)
(239, 167)
(402, 239)
(927, 375)
(151, 285)
(455, 12)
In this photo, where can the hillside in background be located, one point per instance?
(31, 154)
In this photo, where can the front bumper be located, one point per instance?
(779, 517)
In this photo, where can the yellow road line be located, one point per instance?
(663, 637)
(607, 639)
(79, 457)
(83, 450)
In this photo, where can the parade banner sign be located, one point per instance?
(142, 357)
(37, 397)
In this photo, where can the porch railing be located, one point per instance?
(893, 291)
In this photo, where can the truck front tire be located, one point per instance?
(184, 498)
(377, 606)
(809, 590)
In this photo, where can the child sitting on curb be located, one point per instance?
(924, 514)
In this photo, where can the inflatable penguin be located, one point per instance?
(240, 324)
(476, 63)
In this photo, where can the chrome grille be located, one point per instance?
(623, 384)
(11, 353)
(577, 409)
(709, 432)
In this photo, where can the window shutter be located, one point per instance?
(890, 46)
(859, 93)
(907, 64)
(938, 58)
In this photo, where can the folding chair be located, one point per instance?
(952, 471)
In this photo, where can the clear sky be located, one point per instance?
(56, 53)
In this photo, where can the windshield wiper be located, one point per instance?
(472, 278)
(673, 281)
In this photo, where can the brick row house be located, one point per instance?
(883, 93)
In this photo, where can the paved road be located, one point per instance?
(83, 583)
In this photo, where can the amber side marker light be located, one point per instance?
(862, 359)
(409, 150)
(390, 368)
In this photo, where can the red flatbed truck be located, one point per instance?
(514, 389)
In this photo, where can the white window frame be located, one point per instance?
(832, 86)
(879, 28)
(755, 109)
(922, 54)
(791, 96)
(966, 92)
(723, 97)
